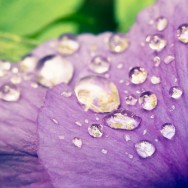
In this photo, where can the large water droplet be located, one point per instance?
(168, 131)
(157, 42)
(9, 92)
(138, 75)
(99, 64)
(68, 44)
(145, 149)
(123, 119)
(54, 70)
(77, 142)
(118, 43)
(95, 130)
(182, 33)
(161, 23)
(148, 100)
(175, 92)
(97, 94)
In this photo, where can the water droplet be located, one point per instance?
(15, 70)
(28, 63)
(78, 123)
(157, 61)
(155, 80)
(66, 93)
(77, 142)
(148, 100)
(137, 75)
(99, 65)
(168, 59)
(15, 79)
(9, 93)
(157, 42)
(182, 33)
(161, 23)
(175, 92)
(130, 100)
(4, 67)
(97, 94)
(118, 43)
(168, 131)
(34, 85)
(123, 119)
(95, 130)
(55, 121)
(67, 44)
(104, 151)
(120, 66)
(145, 149)
(145, 131)
(127, 138)
(54, 70)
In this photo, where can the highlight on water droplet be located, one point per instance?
(145, 149)
(122, 119)
(175, 92)
(77, 142)
(182, 33)
(168, 130)
(138, 75)
(148, 100)
(97, 94)
(161, 23)
(95, 130)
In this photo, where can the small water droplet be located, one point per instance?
(55, 121)
(145, 149)
(145, 131)
(182, 33)
(127, 138)
(155, 80)
(67, 44)
(9, 92)
(129, 155)
(86, 121)
(78, 123)
(123, 119)
(16, 79)
(168, 130)
(28, 63)
(54, 70)
(97, 94)
(137, 75)
(120, 66)
(95, 130)
(4, 67)
(157, 42)
(131, 100)
(66, 93)
(118, 43)
(15, 70)
(175, 92)
(61, 137)
(99, 64)
(77, 142)
(168, 59)
(148, 100)
(161, 23)
(157, 61)
(104, 151)
(34, 85)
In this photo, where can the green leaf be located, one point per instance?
(13, 47)
(127, 10)
(24, 17)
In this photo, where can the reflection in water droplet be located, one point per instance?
(148, 100)
(130, 100)
(168, 131)
(99, 64)
(168, 59)
(161, 23)
(9, 92)
(118, 43)
(155, 80)
(175, 92)
(54, 70)
(157, 42)
(182, 33)
(123, 119)
(145, 149)
(97, 94)
(67, 44)
(28, 63)
(77, 142)
(95, 130)
(137, 75)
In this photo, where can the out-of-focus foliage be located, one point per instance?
(40, 20)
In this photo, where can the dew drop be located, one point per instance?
(67, 44)
(66, 93)
(104, 151)
(161, 23)
(4, 67)
(28, 63)
(175, 92)
(168, 131)
(95, 130)
(130, 100)
(137, 75)
(148, 100)
(99, 64)
(77, 142)
(118, 43)
(54, 70)
(145, 149)
(155, 80)
(168, 59)
(157, 42)
(157, 61)
(9, 92)
(97, 94)
(127, 138)
(182, 33)
(123, 119)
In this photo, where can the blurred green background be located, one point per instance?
(26, 23)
